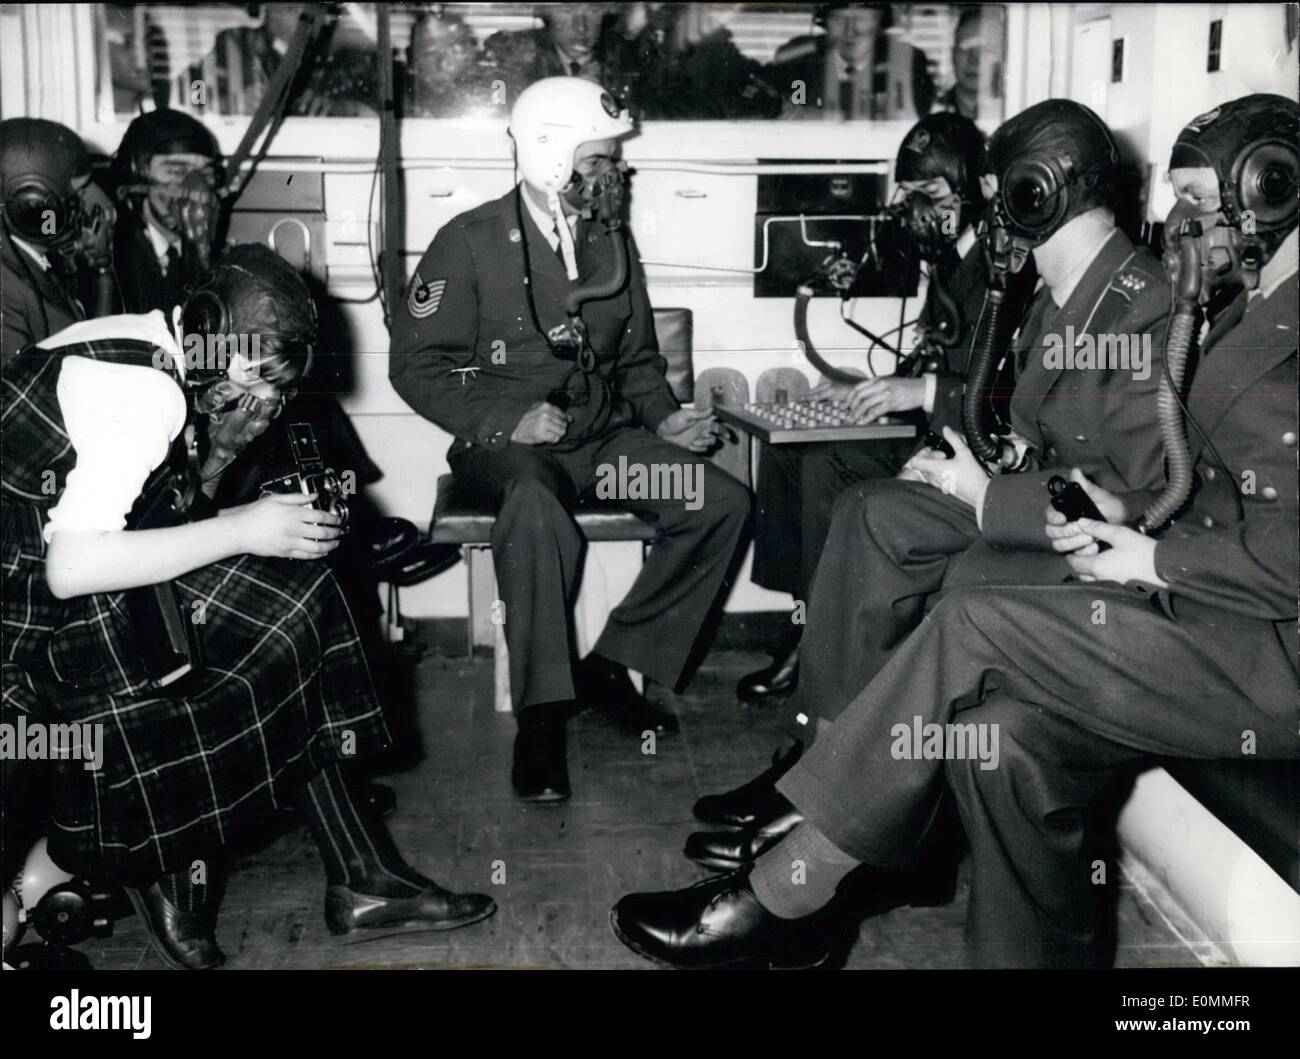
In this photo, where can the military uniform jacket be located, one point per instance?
(1061, 412)
(22, 321)
(1237, 577)
(467, 355)
(140, 278)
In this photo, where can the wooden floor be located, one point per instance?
(557, 870)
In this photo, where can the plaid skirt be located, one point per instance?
(284, 690)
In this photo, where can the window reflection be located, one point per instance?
(667, 61)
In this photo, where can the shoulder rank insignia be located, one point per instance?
(425, 298)
(1131, 281)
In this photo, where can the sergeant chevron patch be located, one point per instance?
(425, 298)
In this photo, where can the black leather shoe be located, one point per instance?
(433, 908)
(729, 850)
(184, 940)
(387, 538)
(605, 686)
(772, 683)
(541, 769)
(752, 802)
(714, 924)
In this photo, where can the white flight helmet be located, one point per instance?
(551, 119)
(555, 116)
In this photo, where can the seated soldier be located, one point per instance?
(1194, 658)
(937, 172)
(44, 175)
(278, 695)
(894, 543)
(165, 173)
(548, 403)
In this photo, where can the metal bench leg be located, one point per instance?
(501, 671)
(393, 631)
(466, 551)
(482, 594)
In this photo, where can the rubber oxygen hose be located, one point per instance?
(974, 402)
(803, 296)
(1173, 431)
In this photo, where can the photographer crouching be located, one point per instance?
(116, 441)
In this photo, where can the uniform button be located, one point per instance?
(1211, 474)
(1207, 522)
(1288, 438)
(1268, 493)
(1081, 438)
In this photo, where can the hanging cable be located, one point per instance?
(392, 279)
(275, 101)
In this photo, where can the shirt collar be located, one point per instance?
(543, 219)
(965, 241)
(31, 251)
(161, 239)
(839, 69)
(568, 61)
(1280, 268)
(1060, 294)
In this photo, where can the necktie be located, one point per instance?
(847, 93)
(65, 285)
(172, 267)
(1034, 326)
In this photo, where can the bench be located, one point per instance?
(1222, 839)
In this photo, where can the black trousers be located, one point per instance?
(887, 551)
(1073, 699)
(537, 552)
(797, 489)
(892, 548)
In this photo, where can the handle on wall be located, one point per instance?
(306, 238)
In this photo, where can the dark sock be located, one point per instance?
(798, 876)
(356, 848)
(598, 666)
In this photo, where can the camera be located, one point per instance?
(311, 475)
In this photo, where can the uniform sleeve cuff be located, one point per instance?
(496, 430)
(657, 410)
